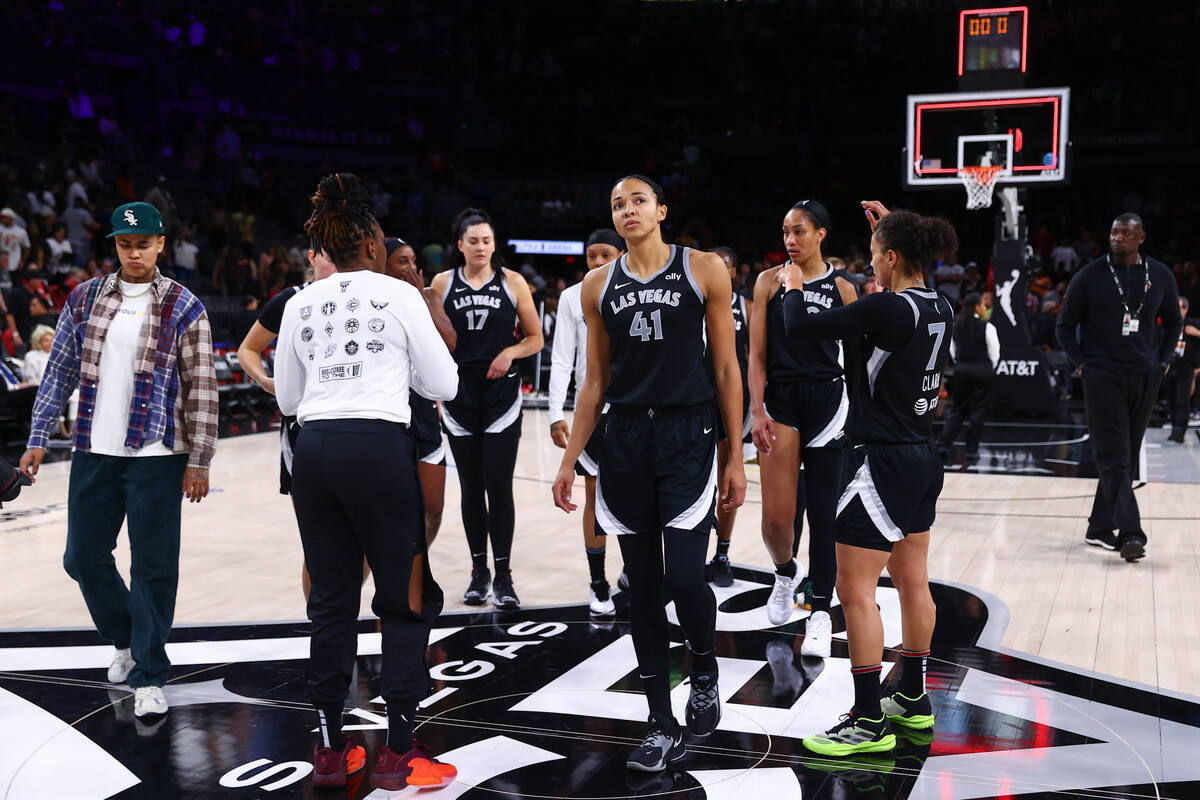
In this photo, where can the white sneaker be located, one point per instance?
(121, 666)
(818, 635)
(782, 601)
(149, 700)
(601, 604)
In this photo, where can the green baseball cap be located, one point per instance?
(137, 217)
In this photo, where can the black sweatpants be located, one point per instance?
(824, 477)
(971, 390)
(485, 464)
(1178, 388)
(356, 493)
(1118, 410)
(671, 562)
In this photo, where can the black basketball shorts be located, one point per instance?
(658, 470)
(426, 430)
(816, 409)
(893, 493)
(483, 405)
(588, 463)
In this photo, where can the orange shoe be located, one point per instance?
(330, 767)
(417, 768)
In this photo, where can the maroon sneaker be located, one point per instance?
(330, 767)
(417, 767)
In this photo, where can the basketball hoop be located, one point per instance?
(980, 182)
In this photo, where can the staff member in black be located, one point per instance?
(975, 348)
(349, 348)
(1181, 377)
(1115, 302)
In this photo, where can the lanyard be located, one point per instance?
(1121, 290)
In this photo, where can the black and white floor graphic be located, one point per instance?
(544, 703)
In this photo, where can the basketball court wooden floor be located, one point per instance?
(1058, 671)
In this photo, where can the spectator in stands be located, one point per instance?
(40, 314)
(139, 349)
(30, 283)
(1043, 326)
(975, 348)
(186, 254)
(80, 227)
(1064, 258)
(34, 365)
(14, 240)
(973, 282)
(949, 278)
(57, 255)
(12, 335)
(161, 198)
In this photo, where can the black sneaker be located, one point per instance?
(662, 744)
(704, 704)
(722, 575)
(1105, 539)
(477, 593)
(806, 591)
(1133, 547)
(1176, 436)
(503, 594)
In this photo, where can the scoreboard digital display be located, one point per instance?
(992, 39)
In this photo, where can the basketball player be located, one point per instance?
(347, 351)
(884, 516)
(568, 354)
(647, 315)
(425, 428)
(485, 303)
(800, 404)
(719, 571)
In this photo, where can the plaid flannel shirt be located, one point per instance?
(175, 383)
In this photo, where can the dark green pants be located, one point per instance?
(105, 490)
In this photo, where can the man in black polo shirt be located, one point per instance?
(1109, 328)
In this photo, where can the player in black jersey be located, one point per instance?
(719, 571)
(486, 303)
(424, 425)
(800, 404)
(887, 510)
(647, 316)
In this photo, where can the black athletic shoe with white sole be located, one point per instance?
(704, 704)
(1105, 539)
(503, 595)
(1133, 547)
(479, 588)
(662, 744)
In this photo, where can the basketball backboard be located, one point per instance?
(1023, 131)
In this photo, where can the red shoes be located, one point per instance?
(415, 768)
(330, 767)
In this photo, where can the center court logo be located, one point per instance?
(531, 702)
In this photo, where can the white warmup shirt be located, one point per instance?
(351, 346)
(992, 340)
(569, 351)
(114, 391)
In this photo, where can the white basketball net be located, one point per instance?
(980, 182)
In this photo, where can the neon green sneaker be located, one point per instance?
(910, 713)
(853, 735)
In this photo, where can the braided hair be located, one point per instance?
(342, 217)
(919, 240)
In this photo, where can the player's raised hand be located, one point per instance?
(875, 211)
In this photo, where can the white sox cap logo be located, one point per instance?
(129, 217)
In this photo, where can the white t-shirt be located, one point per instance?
(34, 365)
(185, 254)
(58, 255)
(569, 351)
(352, 345)
(1065, 258)
(13, 239)
(951, 289)
(114, 391)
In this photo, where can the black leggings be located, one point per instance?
(824, 479)
(661, 566)
(485, 464)
(356, 493)
(971, 391)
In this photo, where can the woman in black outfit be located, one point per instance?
(975, 348)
